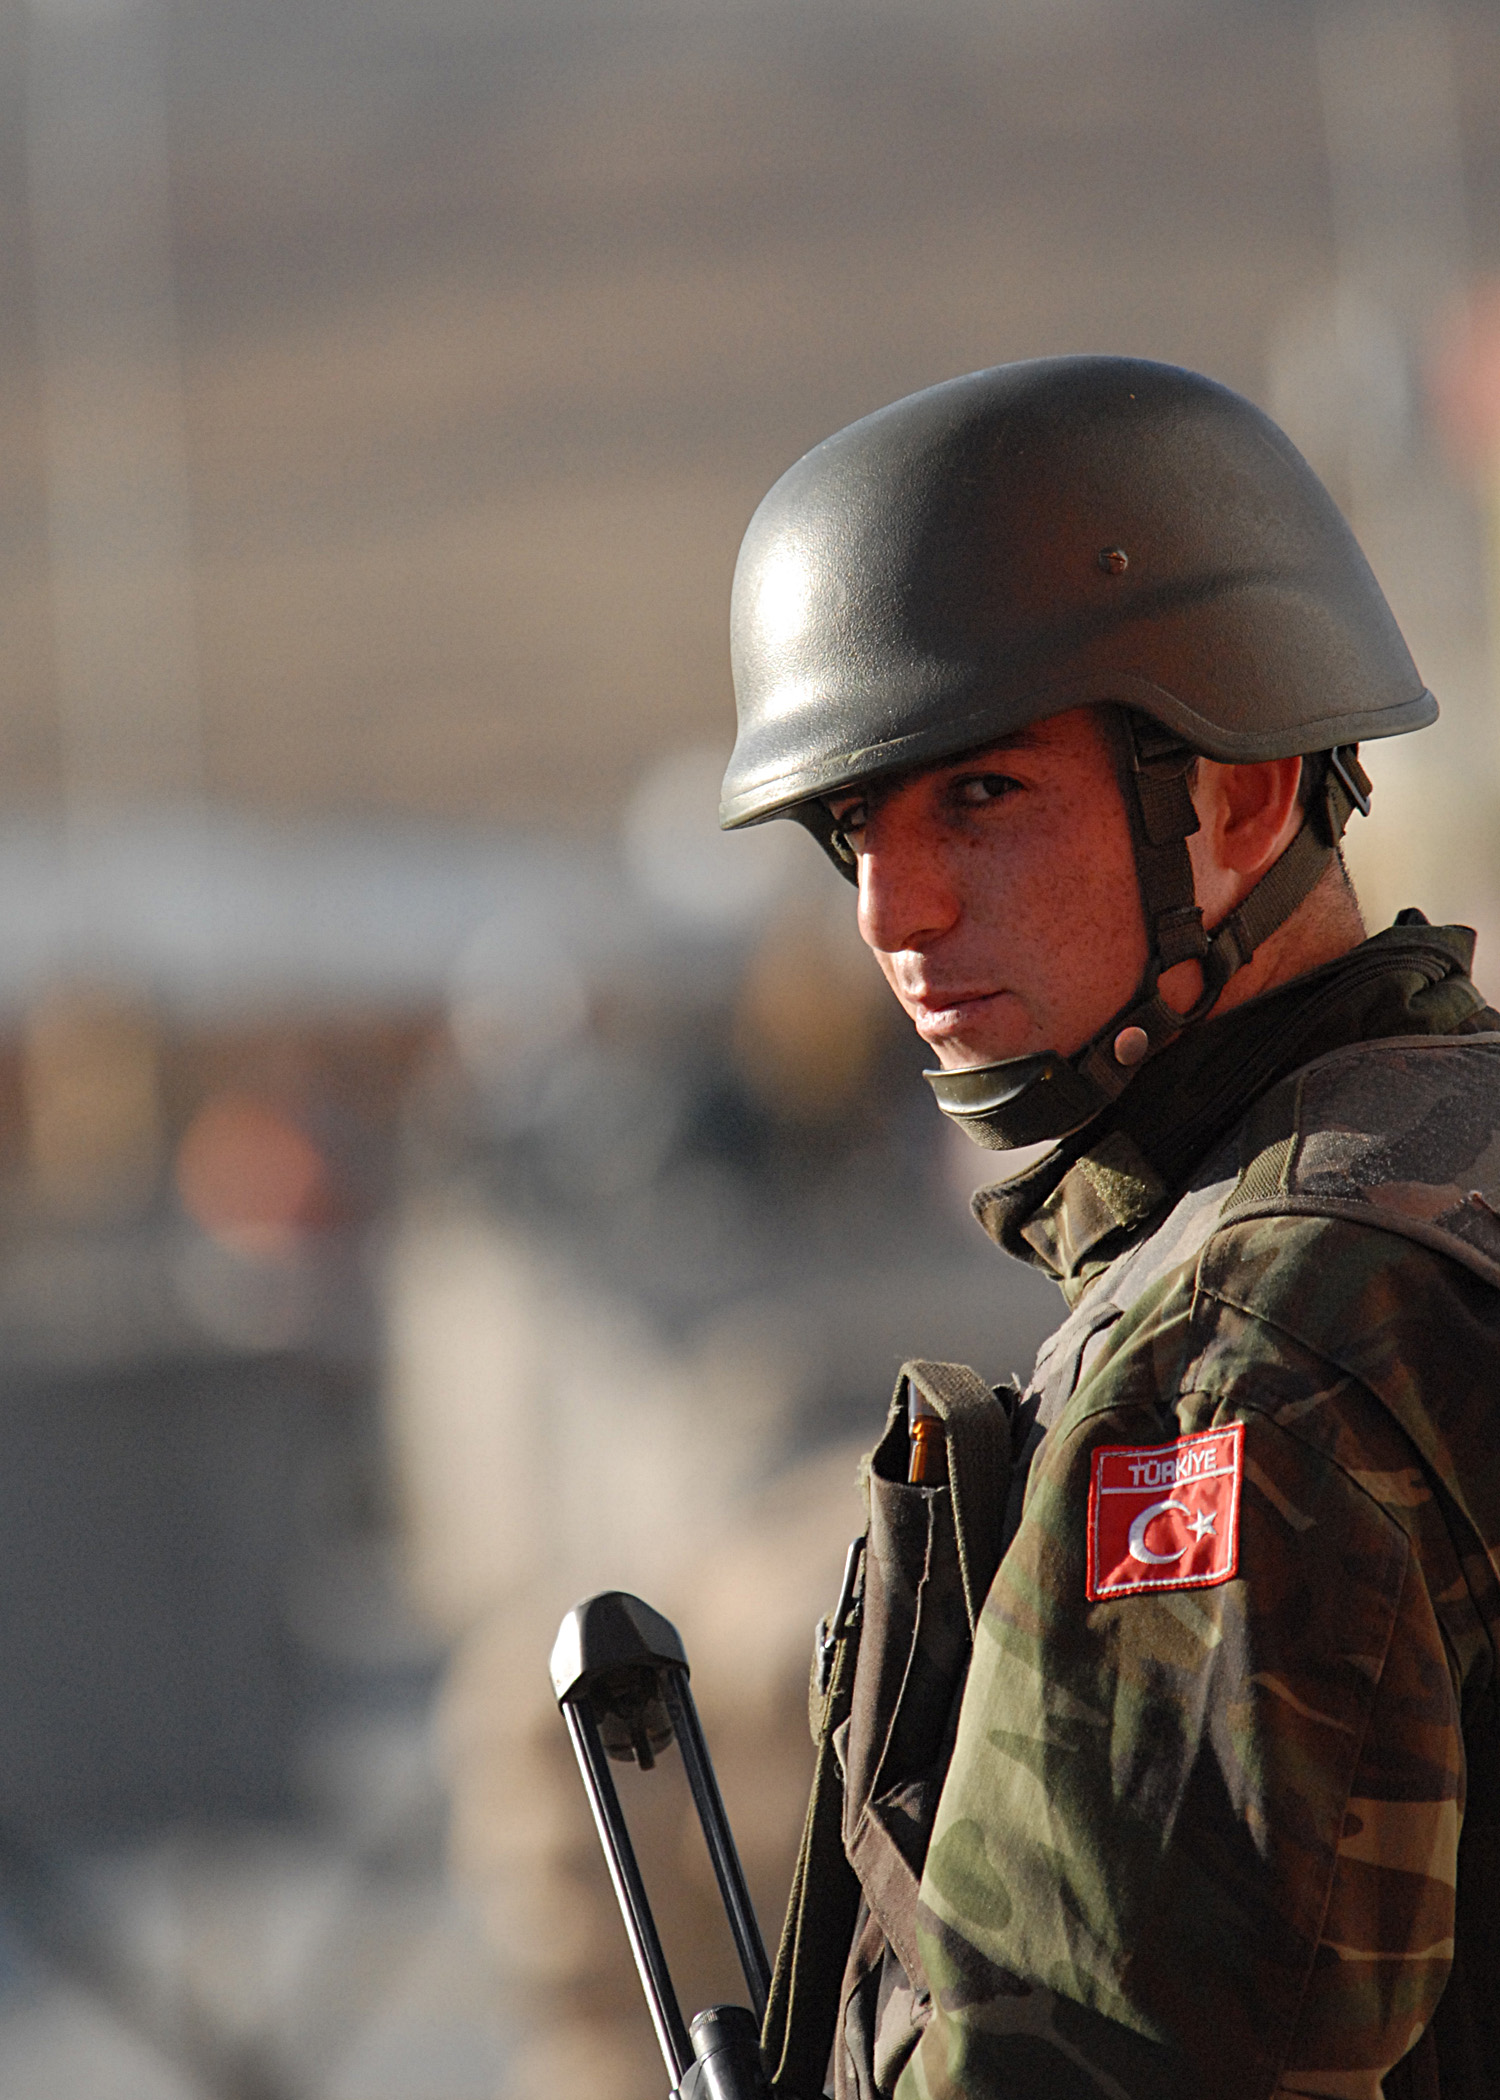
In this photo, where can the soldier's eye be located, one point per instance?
(980, 788)
(848, 817)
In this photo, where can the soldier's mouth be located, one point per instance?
(939, 1015)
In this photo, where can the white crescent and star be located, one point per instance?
(1200, 1524)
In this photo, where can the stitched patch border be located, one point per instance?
(1165, 1516)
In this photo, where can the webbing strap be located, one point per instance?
(1163, 820)
(1269, 905)
(1160, 772)
(1345, 786)
(807, 1982)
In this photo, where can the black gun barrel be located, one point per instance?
(709, 1803)
(630, 1891)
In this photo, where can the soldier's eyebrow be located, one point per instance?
(1027, 738)
(1030, 737)
(979, 755)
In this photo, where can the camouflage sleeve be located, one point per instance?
(1200, 1829)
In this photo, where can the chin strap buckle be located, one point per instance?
(1344, 765)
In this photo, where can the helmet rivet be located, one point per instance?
(1114, 561)
(1131, 1045)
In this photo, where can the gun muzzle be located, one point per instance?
(621, 1678)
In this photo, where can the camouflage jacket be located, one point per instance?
(1222, 1814)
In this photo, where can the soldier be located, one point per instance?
(1065, 664)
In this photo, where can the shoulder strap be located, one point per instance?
(803, 2006)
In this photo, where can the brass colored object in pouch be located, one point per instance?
(928, 1464)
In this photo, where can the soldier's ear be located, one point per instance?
(1249, 814)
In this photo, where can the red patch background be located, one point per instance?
(1200, 1477)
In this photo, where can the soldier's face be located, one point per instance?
(999, 892)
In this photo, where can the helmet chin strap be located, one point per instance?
(1023, 1100)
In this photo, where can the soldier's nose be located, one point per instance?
(907, 899)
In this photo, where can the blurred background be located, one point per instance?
(439, 1176)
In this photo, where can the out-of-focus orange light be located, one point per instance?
(251, 1177)
(1465, 382)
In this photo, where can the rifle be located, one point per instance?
(621, 1678)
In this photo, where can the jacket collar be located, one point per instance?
(1076, 1210)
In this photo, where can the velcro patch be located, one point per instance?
(1165, 1516)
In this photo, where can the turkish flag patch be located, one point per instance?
(1165, 1516)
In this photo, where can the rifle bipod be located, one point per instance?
(621, 1678)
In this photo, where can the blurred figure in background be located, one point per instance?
(635, 1310)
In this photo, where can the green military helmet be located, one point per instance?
(1011, 544)
(1042, 536)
